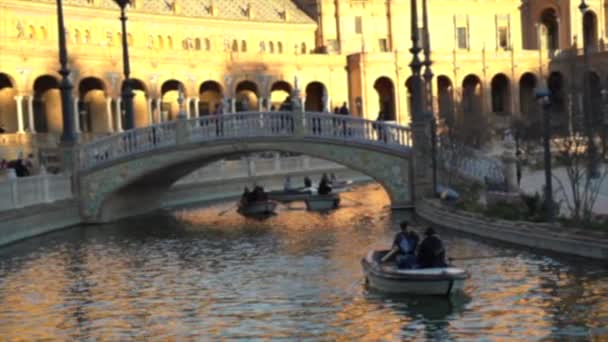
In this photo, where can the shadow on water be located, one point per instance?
(426, 315)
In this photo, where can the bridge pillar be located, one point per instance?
(422, 177)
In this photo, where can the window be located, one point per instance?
(197, 43)
(503, 37)
(358, 25)
(207, 44)
(243, 46)
(279, 47)
(130, 39)
(303, 48)
(383, 45)
(235, 46)
(462, 38)
(262, 46)
(271, 47)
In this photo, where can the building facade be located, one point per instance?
(489, 57)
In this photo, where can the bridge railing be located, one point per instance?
(470, 163)
(342, 127)
(244, 125)
(128, 143)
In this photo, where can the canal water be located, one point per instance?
(210, 274)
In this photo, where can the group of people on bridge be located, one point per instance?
(407, 254)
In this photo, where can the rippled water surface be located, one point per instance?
(209, 274)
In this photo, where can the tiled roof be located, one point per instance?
(248, 10)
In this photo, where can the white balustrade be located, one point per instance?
(245, 125)
(25, 191)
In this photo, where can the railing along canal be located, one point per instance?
(244, 125)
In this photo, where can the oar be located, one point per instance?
(221, 213)
(480, 257)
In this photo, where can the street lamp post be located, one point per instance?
(543, 96)
(428, 92)
(592, 171)
(127, 91)
(68, 135)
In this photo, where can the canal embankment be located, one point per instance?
(542, 236)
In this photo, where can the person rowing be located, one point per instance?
(404, 247)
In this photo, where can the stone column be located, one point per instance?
(187, 104)
(30, 113)
(76, 115)
(118, 115)
(109, 114)
(232, 105)
(150, 112)
(261, 104)
(19, 100)
(196, 108)
(159, 101)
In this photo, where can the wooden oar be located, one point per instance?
(221, 213)
(388, 255)
(479, 257)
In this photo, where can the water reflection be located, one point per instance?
(193, 273)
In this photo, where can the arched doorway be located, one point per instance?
(169, 108)
(501, 94)
(472, 125)
(246, 96)
(559, 116)
(527, 97)
(549, 29)
(8, 106)
(92, 109)
(316, 97)
(590, 35)
(209, 97)
(445, 97)
(279, 93)
(408, 87)
(141, 115)
(386, 98)
(47, 105)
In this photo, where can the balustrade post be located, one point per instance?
(277, 162)
(306, 162)
(182, 132)
(12, 177)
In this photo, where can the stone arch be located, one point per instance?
(408, 95)
(47, 105)
(595, 97)
(385, 90)
(527, 97)
(169, 108)
(501, 94)
(472, 124)
(590, 31)
(141, 114)
(247, 95)
(8, 106)
(143, 179)
(92, 108)
(210, 96)
(559, 115)
(471, 95)
(445, 99)
(316, 97)
(549, 22)
(279, 91)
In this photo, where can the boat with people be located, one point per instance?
(322, 202)
(387, 277)
(257, 208)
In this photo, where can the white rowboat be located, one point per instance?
(322, 202)
(386, 277)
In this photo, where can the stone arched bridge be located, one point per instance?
(127, 174)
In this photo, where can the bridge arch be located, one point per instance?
(115, 186)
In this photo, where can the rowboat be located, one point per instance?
(322, 202)
(386, 277)
(290, 195)
(257, 208)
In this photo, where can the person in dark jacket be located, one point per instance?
(324, 187)
(431, 252)
(404, 247)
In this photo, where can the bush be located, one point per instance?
(506, 211)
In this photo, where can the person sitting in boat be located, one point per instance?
(324, 187)
(431, 252)
(259, 194)
(246, 196)
(404, 247)
(307, 182)
(332, 178)
(287, 186)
